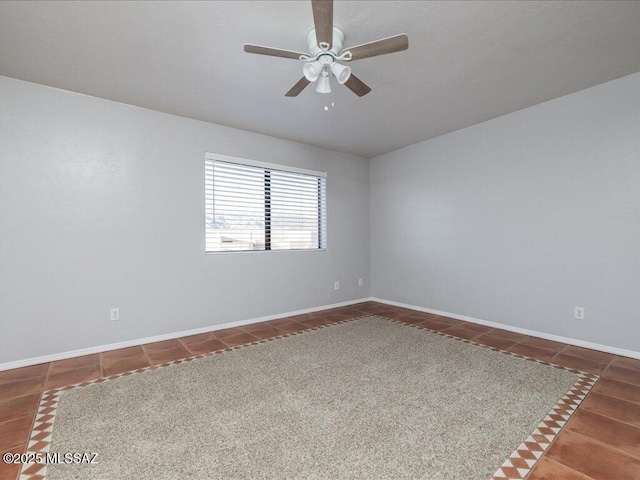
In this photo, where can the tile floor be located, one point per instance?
(601, 441)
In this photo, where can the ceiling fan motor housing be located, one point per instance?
(336, 43)
(325, 62)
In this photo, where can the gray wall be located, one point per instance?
(102, 205)
(521, 218)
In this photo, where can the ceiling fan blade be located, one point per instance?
(383, 46)
(297, 88)
(357, 86)
(323, 20)
(274, 52)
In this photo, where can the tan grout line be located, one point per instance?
(24, 445)
(549, 459)
(22, 450)
(604, 372)
(521, 340)
(562, 352)
(621, 381)
(556, 355)
(477, 336)
(144, 352)
(614, 396)
(607, 416)
(212, 337)
(100, 365)
(563, 348)
(18, 418)
(617, 420)
(101, 357)
(603, 444)
(583, 359)
(33, 421)
(444, 330)
(611, 360)
(46, 377)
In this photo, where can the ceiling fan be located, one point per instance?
(326, 49)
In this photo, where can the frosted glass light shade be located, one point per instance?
(312, 70)
(341, 72)
(323, 85)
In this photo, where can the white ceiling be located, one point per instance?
(467, 61)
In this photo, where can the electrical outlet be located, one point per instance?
(336, 285)
(115, 314)
(579, 313)
(359, 282)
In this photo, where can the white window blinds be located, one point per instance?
(259, 206)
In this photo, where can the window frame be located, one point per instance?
(267, 166)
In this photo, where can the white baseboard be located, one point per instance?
(167, 336)
(524, 331)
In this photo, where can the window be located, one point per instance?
(253, 205)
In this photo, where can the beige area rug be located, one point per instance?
(368, 398)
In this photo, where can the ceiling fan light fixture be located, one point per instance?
(324, 86)
(325, 46)
(312, 70)
(341, 72)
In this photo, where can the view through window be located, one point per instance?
(259, 206)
